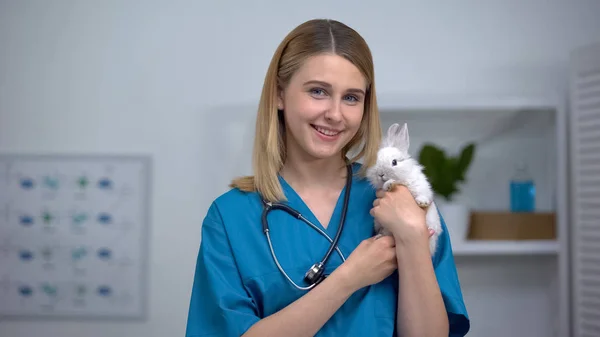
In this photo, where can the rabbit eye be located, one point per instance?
(394, 162)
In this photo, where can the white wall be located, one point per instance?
(79, 76)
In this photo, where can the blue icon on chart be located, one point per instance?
(104, 253)
(104, 218)
(27, 183)
(25, 255)
(104, 291)
(105, 183)
(26, 220)
(25, 290)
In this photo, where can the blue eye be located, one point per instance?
(317, 91)
(352, 98)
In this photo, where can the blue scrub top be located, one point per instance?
(236, 281)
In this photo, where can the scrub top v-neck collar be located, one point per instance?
(295, 201)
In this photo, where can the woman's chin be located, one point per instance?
(324, 152)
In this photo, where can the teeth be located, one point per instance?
(326, 132)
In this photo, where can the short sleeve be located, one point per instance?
(219, 305)
(447, 277)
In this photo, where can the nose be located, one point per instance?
(334, 113)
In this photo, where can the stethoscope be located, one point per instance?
(316, 273)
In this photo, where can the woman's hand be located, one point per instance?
(398, 212)
(372, 261)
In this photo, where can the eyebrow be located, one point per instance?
(327, 85)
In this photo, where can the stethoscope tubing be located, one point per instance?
(333, 242)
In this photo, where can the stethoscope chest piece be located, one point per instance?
(315, 274)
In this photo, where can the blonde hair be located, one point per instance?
(308, 39)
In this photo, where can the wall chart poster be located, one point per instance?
(73, 235)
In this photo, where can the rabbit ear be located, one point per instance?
(398, 136)
(392, 131)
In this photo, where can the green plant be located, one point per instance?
(445, 171)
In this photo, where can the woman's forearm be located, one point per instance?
(306, 315)
(421, 310)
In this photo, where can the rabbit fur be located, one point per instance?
(408, 172)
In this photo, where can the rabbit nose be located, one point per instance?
(381, 175)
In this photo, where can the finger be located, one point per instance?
(375, 202)
(402, 188)
(431, 232)
(392, 260)
(388, 240)
(374, 238)
(380, 193)
(392, 255)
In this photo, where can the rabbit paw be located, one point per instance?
(388, 185)
(422, 201)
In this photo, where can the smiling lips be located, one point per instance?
(326, 132)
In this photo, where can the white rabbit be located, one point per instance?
(395, 166)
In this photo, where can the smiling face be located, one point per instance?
(323, 107)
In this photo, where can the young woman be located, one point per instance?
(258, 274)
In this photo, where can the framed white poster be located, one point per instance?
(74, 235)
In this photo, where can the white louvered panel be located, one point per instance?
(585, 190)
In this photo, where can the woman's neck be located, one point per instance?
(303, 174)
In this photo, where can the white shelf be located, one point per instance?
(522, 247)
(408, 102)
